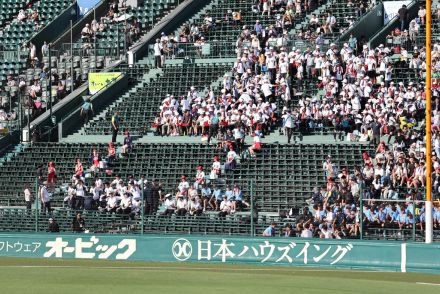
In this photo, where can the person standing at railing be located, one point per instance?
(86, 33)
(45, 198)
(115, 126)
(51, 174)
(158, 50)
(45, 49)
(78, 223)
(422, 14)
(403, 16)
(28, 197)
(87, 110)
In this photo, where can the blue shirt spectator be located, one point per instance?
(229, 194)
(270, 231)
(218, 194)
(206, 191)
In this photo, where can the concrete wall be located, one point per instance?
(380, 36)
(11, 138)
(367, 26)
(56, 27)
(100, 10)
(72, 122)
(168, 25)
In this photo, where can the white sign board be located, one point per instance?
(391, 8)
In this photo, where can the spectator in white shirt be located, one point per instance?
(125, 205)
(112, 203)
(28, 197)
(158, 52)
(170, 205)
(181, 205)
(306, 232)
(225, 207)
(183, 185)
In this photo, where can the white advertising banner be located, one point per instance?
(391, 8)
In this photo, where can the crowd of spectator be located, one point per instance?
(117, 15)
(33, 94)
(363, 98)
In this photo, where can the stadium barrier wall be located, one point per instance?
(62, 109)
(77, 27)
(345, 254)
(13, 137)
(56, 27)
(380, 36)
(181, 14)
(73, 121)
(367, 26)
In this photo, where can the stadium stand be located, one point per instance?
(290, 77)
(138, 107)
(38, 15)
(10, 9)
(69, 63)
(21, 21)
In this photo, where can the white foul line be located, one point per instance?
(431, 284)
(192, 268)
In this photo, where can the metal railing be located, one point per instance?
(13, 55)
(89, 49)
(198, 50)
(91, 97)
(392, 219)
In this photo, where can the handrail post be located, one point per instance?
(252, 209)
(414, 221)
(361, 212)
(37, 199)
(142, 206)
(71, 56)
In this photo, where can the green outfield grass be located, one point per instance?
(82, 276)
